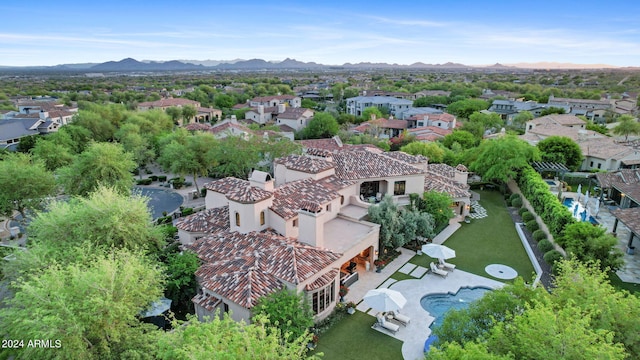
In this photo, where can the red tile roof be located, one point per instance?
(290, 197)
(355, 165)
(245, 267)
(403, 156)
(323, 280)
(210, 221)
(198, 126)
(169, 102)
(306, 164)
(248, 194)
(225, 185)
(206, 301)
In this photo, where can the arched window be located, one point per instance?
(237, 218)
(262, 217)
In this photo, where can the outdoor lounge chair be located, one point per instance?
(387, 325)
(446, 265)
(435, 270)
(401, 318)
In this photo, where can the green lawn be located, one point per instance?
(353, 338)
(491, 240)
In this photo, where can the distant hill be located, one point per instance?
(130, 64)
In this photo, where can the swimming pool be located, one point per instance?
(578, 211)
(438, 304)
(160, 200)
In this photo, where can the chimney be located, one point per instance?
(261, 179)
(460, 175)
(373, 117)
(281, 108)
(261, 109)
(311, 225)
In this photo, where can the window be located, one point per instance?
(295, 222)
(591, 164)
(262, 218)
(599, 165)
(399, 187)
(328, 207)
(322, 298)
(341, 199)
(237, 219)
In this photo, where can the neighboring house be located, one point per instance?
(621, 186)
(303, 229)
(230, 127)
(425, 93)
(294, 118)
(441, 120)
(592, 109)
(208, 114)
(415, 111)
(164, 104)
(272, 101)
(395, 94)
(396, 107)
(600, 152)
(382, 128)
(33, 118)
(508, 109)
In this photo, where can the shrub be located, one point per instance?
(164, 220)
(527, 216)
(515, 196)
(545, 245)
(187, 211)
(162, 178)
(203, 192)
(143, 182)
(539, 235)
(153, 177)
(522, 211)
(517, 202)
(551, 256)
(532, 225)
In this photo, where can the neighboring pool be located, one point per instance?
(438, 304)
(160, 200)
(550, 182)
(578, 211)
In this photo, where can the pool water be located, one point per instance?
(438, 304)
(578, 213)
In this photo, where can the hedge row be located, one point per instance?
(555, 215)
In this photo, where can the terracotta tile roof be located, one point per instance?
(334, 183)
(169, 102)
(630, 217)
(430, 129)
(248, 194)
(461, 167)
(225, 185)
(289, 197)
(198, 126)
(403, 156)
(286, 128)
(323, 280)
(306, 164)
(245, 267)
(442, 170)
(354, 165)
(210, 221)
(558, 119)
(631, 191)
(206, 301)
(629, 176)
(394, 124)
(224, 126)
(332, 144)
(294, 113)
(441, 184)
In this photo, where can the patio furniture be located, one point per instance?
(446, 266)
(401, 318)
(387, 325)
(435, 270)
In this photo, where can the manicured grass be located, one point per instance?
(491, 240)
(353, 338)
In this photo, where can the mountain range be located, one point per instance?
(132, 65)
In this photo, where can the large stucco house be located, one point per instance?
(303, 228)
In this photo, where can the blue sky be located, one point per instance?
(328, 32)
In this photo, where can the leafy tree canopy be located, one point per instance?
(561, 149)
(323, 125)
(464, 108)
(431, 150)
(500, 159)
(464, 138)
(287, 310)
(627, 125)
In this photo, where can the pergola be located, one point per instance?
(631, 218)
(541, 166)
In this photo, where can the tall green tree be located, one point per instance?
(500, 159)
(136, 144)
(227, 339)
(193, 154)
(323, 125)
(52, 154)
(438, 204)
(521, 119)
(188, 113)
(464, 138)
(562, 150)
(175, 113)
(288, 311)
(181, 280)
(464, 108)
(589, 243)
(101, 163)
(91, 309)
(431, 150)
(627, 125)
(25, 185)
(101, 128)
(488, 120)
(368, 112)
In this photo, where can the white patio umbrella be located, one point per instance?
(385, 300)
(579, 191)
(586, 199)
(596, 210)
(438, 251)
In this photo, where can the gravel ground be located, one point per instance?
(547, 278)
